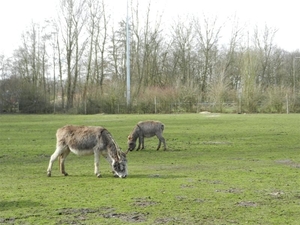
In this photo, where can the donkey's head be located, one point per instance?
(118, 158)
(119, 165)
(131, 143)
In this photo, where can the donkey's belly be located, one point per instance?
(82, 152)
(147, 135)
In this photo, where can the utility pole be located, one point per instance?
(127, 58)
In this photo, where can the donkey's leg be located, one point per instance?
(159, 136)
(62, 159)
(159, 143)
(59, 150)
(110, 162)
(143, 142)
(96, 163)
(140, 141)
(164, 142)
(161, 140)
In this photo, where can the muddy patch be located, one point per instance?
(78, 216)
(181, 198)
(207, 181)
(199, 200)
(144, 202)
(169, 220)
(246, 204)
(186, 186)
(285, 161)
(288, 162)
(277, 194)
(231, 190)
(81, 216)
(83, 211)
(127, 217)
(7, 220)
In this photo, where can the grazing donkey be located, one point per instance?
(146, 129)
(85, 140)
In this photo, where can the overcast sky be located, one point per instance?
(17, 15)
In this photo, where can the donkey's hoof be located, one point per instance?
(66, 174)
(48, 174)
(99, 175)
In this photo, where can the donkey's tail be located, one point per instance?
(162, 127)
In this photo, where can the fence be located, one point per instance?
(163, 107)
(114, 107)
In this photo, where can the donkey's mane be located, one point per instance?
(135, 132)
(109, 140)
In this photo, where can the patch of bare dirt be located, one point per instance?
(246, 204)
(169, 220)
(80, 216)
(288, 162)
(15, 219)
(186, 186)
(144, 202)
(82, 211)
(285, 161)
(230, 190)
(77, 216)
(134, 217)
(277, 194)
(181, 198)
(7, 220)
(211, 181)
(199, 200)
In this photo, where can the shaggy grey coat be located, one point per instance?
(146, 129)
(88, 140)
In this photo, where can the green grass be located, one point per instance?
(218, 169)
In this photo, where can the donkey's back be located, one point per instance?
(151, 128)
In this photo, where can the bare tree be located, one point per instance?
(228, 57)
(117, 53)
(146, 42)
(249, 70)
(100, 46)
(182, 50)
(72, 23)
(31, 64)
(93, 11)
(264, 43)
(207, 35)
(226, 76)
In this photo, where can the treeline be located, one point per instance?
(76, 63)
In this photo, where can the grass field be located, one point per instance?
(218, 169)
